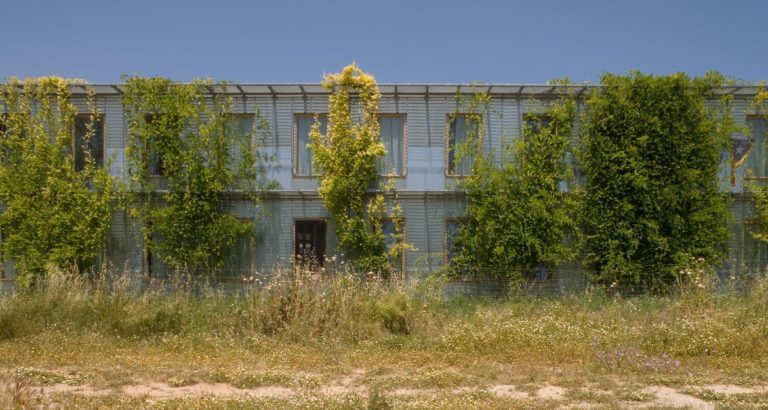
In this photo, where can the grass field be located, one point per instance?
(343, 342)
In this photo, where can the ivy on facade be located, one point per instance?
(181, 165)
(346, 157)
(651, 151)
(518, 218)
(757, 187)
(53, 214)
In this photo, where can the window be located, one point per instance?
(239, 260)
(309, 236)
(7, 269)
(392, 135)
(86, 145)
(754, 255)
(534, 123)
(6, 152)
(155, 160)
(155, 266)
(20, 121)
(452, 229)
(240, 126)
(756, 162)
(302, 164)
(460, 128)
(391, 238)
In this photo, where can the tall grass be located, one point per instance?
(296, 305)
(646, 332)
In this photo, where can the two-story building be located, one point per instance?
(420, 126)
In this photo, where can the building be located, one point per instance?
(416, 119)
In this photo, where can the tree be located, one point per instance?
(182, 135)
(346, 157)
(651, 152)
(54, 214)
(518, 203)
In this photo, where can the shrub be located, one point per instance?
(650, 152)
(53, 214)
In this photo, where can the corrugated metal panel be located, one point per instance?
(286, 107)
(387, 104)
(115, 128)
(439, 107)
(416, 121)
(494, 124)
(263, 105)
(317, 104)
(416, 232)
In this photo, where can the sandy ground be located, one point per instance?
(659, 396)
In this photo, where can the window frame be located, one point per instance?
(404, 153)
(295, 143)
(99, 118)
(449, 118)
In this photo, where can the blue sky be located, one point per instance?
(397, 41)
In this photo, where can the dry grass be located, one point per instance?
(350, 342)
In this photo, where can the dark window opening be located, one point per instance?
(391, 238)
(463, 129)
(757, 151)
(304, 165)
(309, 242)
(452, 230)
(86, 145)
(534, 124)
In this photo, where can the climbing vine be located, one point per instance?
(53, 214)
(651, 150)
(182, 166)
(758, 188)
(517, 202)
(346, 157)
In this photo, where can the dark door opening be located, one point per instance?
(309, 242)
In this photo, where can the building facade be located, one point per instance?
(420, 126)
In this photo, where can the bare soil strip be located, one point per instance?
(661, 396)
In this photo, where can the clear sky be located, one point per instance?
(397, 41)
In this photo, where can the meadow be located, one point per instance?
(349, 341)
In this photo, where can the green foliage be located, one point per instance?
(517, 203)
(650, 152)
(346, 157)
(186, 134)
(757, 188)
(52, 214)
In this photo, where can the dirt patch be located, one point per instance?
(408, 392)
(732, 389)
(508, 390)
(551, 393)
(165, 391)
(82, 390)
(666, 396)
(657, 396)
